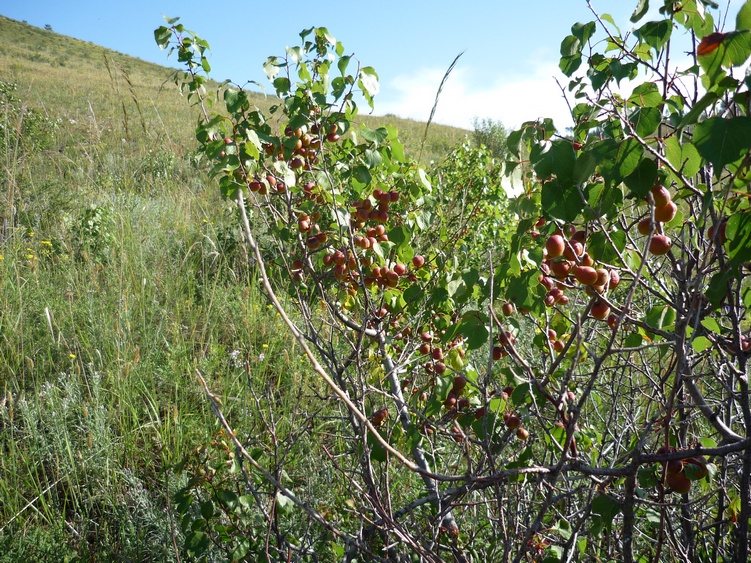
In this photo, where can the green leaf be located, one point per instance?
(723, 140)
(645, 120)
(284, 503)
(368, 83)
(733, 49)
(522, 291)
(561, 202)
(646, 95)
(643, 178)
(602, 251)
(618, 160)
(718, 287)
(698, 109)
(162, 35)
(682, 155)
(228, 498)
(642, 7)
(711, 325)
(743, 19)
(553, 158)
(660, 317)
(738, 231)
(605, 510)
(655, 34)
(701, 343)
(473, 327)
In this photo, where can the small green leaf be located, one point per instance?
(645, 120)
(646, 95)
(162, 35)
(738, 232)
(660, 316)
(711, 325)
(601, 249)
(655, 34)
(643, 178)
(642, 7)
(683, 155)
(563, 202)
(701, 343)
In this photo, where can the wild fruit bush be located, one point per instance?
(579, 392)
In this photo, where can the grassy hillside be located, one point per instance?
(82, 82)
(122, 273)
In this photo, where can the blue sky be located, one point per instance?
(507, 71)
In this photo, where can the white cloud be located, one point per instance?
(511, 99)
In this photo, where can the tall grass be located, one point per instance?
(122, 273)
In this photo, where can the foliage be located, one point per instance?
(580, 396)
(491, 134)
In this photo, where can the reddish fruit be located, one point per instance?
(674, 466)
(644, 226)
(450, 401)
(579, 236)
(400, 269)
(498, 353)
(440, 368)
(418, 261)
(600, 310)
(586, 260)
(678, 482)
(552, 335)
(615, 279)
(437, 354)
(513, 422)
(666, 212)
(723, 236)
(561, 269)
(573, 250)
(555, 246)
(603, 277)
(522, 433)
(660, 245)
(332, 137)
(585, 275)
(660, 195)
(558, 346)
(379, 416)
(508, 308)
(424, 349)
(547, 282)
(458, 436)
(460, 382)
(392, 278)
(612, 320)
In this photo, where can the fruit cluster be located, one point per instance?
(664, 211)
(566, 264)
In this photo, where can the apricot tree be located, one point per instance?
(574, 390)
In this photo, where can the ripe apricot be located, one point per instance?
(555, 246)
(660, 245)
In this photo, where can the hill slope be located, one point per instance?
(80, 82)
